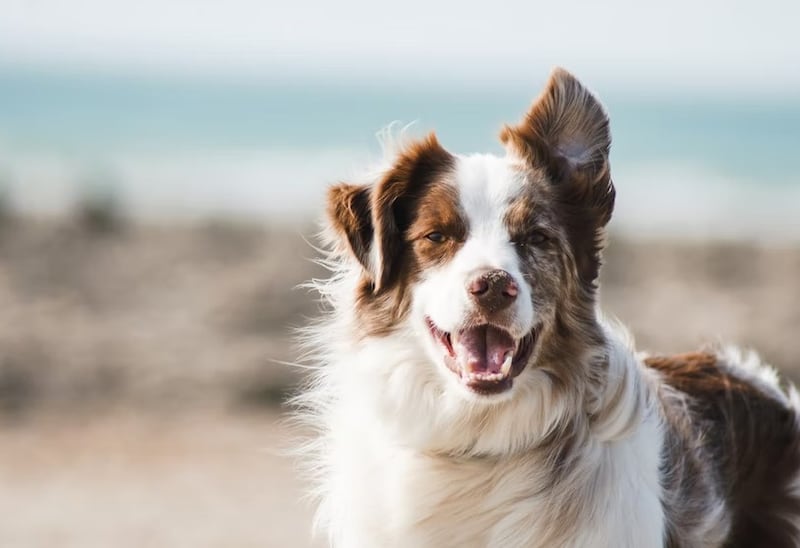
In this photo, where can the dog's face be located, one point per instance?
(488, 262)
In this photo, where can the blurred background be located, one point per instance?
(162, 166)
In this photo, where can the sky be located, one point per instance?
(753, 47)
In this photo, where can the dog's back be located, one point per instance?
(731, 416)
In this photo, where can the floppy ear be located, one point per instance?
(566, 131)
(373, 219)
(350, 215)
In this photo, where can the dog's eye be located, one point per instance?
(537, 238)
(436, 237)
(532, 239)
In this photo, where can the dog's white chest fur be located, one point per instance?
(385, 495)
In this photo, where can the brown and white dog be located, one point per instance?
(470, 394)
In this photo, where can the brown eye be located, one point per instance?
(536, 238)
(533, 239)
(436, 237)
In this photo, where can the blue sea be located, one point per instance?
(188, 147)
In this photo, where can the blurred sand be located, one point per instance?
(139, 480)
(140, 380)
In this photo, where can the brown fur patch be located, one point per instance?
(742, 438)
(531, 211)
(408, 203)
(550, 267)
(349, 214)
(566, 134)
(395, 198)
(438, 210)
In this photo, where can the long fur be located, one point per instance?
(595, 445)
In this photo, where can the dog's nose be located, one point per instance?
(493, 290)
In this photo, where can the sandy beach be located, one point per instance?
(133, 479)
(142, 368)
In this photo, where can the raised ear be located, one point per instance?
(372, 219)
(350, 216)
(566, 131)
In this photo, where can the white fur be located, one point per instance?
(387, 478)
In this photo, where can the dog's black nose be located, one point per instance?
(493, 290)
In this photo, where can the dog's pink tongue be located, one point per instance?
(482, 349)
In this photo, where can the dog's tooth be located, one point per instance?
(506, 367)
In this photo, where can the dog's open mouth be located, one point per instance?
(485, 357)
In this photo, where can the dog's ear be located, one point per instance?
(566, 131)
(350, 216)
(373, 219)
(394, 201)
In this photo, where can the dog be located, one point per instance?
(468, 392)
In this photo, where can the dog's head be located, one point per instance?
(487, 263)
